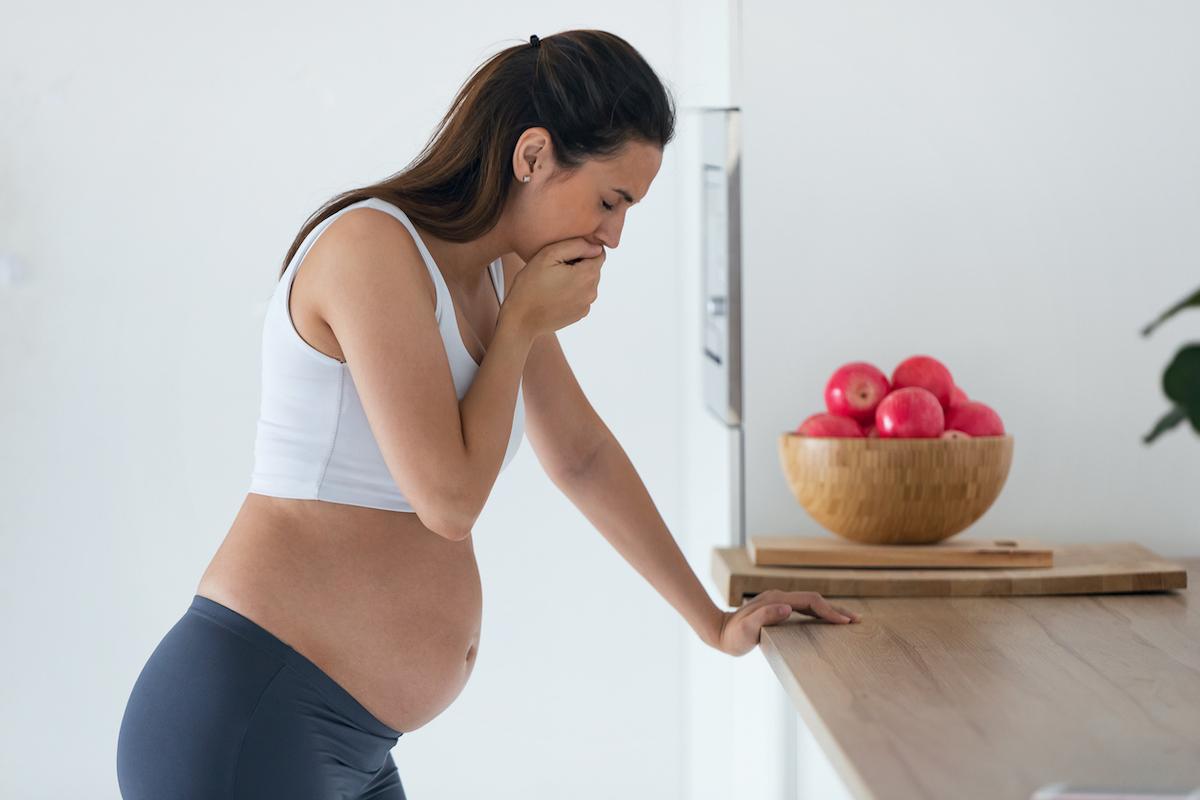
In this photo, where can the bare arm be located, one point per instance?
(612, 496)
(487, 410)
(377, 296)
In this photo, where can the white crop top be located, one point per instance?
(313, 439)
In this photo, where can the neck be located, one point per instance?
(465, 263)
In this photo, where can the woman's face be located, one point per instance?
(589, 203)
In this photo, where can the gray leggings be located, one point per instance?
(224, 709)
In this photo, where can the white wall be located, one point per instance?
(156, 161)
(1011, 187)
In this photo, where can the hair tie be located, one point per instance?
(534, 41)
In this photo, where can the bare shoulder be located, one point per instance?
(370, 291)
(371, 240)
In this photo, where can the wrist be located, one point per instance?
(513, 326)
(510, 325)
(710, 634)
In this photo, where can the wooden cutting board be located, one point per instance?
(1106, 568)
(830, 551)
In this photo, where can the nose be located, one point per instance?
(609, 240)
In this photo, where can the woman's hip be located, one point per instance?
(223, 708)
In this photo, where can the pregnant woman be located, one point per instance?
(408, 345)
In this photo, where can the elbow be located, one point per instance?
(451, 519)
(456, 533)
(449, 500)
(447, 526)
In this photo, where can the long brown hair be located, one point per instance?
(590, 89)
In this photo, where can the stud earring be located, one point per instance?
(525, 179)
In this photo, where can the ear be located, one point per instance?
(533, 154)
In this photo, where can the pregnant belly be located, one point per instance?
(387, 608)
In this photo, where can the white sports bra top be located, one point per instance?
(313, 440)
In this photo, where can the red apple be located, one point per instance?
(957, 397)
(976, 419)
(928, 373)
(854, 390)
(830, 425)
(953, 434)
(910, 413)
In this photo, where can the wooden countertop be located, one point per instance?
(993, 697)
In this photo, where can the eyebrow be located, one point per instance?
(628, 197)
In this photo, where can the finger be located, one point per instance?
(831, 615)
(845, 612)
(594, 263)
(578, 246)
(820, 607)
(771, 614)
(574, 250)
(853, 615)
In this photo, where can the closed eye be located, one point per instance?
(607, 207)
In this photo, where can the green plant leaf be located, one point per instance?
(1169, 420)
(1181, 384)
(1191, 300)
(1181, 380)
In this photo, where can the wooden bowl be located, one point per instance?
(895, 491)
